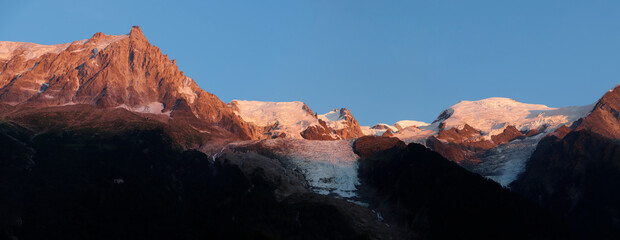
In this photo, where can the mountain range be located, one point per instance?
(108, 122)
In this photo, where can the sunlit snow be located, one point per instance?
(408, 123)
(290, 117)
(334, 120)
(493, 115)
(153, 107)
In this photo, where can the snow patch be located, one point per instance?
(187, 91)
(153, 108)
(69, 104)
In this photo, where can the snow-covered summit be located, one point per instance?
(493, 115)
(290, 118)
(296, 120)
(335, 119)
(402, 124)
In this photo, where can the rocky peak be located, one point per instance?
(459, 134)
(111, 71)
(343, 124)
(96, 37)
(387, 133)
(604, 118)
(510, 133)
(136, 35)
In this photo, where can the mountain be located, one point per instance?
(574, 171)
(493, 137)
(107, 71)
(295, 120)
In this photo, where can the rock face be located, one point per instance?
(111, 71)
(575, 172)
(387, 133)
(507, 135)
(604, 119)
(318, 132)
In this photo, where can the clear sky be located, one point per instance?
(384, 60)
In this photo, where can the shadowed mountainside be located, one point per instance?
(428, 197)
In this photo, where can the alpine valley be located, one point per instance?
(105, 138)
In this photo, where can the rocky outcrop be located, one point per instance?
(605, 117)
(466, 136)
(318, 132)
(454, 152)
(510, 133)
(460, 145)
(345, 125)
(467, 144)
(112, 71)
(387, 133)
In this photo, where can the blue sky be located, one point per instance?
(384, 60)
